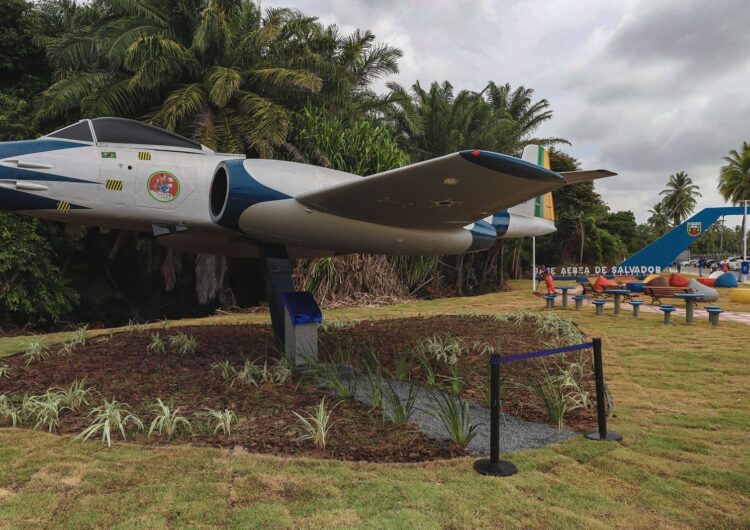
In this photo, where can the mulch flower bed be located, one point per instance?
(120, 365)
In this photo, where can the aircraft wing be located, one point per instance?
(575, 177)
(453, 190)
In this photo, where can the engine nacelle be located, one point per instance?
(234, 190)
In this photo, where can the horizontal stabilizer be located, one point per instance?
(446, 192)
(576, 177)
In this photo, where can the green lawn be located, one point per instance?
(682, 402)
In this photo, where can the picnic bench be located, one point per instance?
(657, 293)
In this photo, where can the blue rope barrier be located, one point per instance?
(498, 359)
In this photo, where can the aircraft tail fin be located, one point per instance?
(544, 206)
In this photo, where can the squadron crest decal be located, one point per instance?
(694, 229)
(163, 186)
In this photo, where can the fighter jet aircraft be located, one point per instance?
(123, 174)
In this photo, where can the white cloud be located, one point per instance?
(642, 87)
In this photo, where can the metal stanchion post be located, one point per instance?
(493, 465)
(602, 433)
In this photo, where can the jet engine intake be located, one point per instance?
(233, 190)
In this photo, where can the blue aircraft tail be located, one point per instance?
(663, 251)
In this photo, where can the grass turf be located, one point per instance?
(682, 402)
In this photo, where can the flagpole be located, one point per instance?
(533, 263)
(744, 238)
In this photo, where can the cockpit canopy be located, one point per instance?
(122, 131)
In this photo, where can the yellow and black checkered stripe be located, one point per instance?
(113, 185)
(144, 155)
(63, 206)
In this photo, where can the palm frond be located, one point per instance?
(182, 103)
(286, 78)
(138, 8)
(223, 84)
(67, 94)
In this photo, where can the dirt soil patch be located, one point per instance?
(121, 366)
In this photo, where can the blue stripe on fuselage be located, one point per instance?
(15, 200)
(29, 147)
(12, 173)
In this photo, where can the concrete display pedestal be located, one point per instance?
(302, 316)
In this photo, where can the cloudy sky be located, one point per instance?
(644, 88)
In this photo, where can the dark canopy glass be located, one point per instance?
(78, 131)
(122, 131)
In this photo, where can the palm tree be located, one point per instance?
(524, 114)
(734, 178)
(218, 71)
(435, 122)
(659, 219)
(680, 197)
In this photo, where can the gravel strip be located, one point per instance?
(515, 434)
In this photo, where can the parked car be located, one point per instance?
(734, 263)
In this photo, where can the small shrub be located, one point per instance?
(45, 410)
(483, 348)
(4, 371)
(157, 344)
(34, 351)
(372, 361)
(9, 412)
(317, 426)
(563, 332)
(184, 344)
(374, 390)
(225, 369)
(221, 420)
(276, 374)
(329, 377)
(168, 421)
(246, 375)
(403, 366)
(330, 325)
(281, 371)
(559, 392)
(75, 396)
(135, 327)
(80, 335)
(453, 414)
(455, 382)
(400, 410)
(444, 349)
(67, 348)
(427, 369)
(111, 416)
